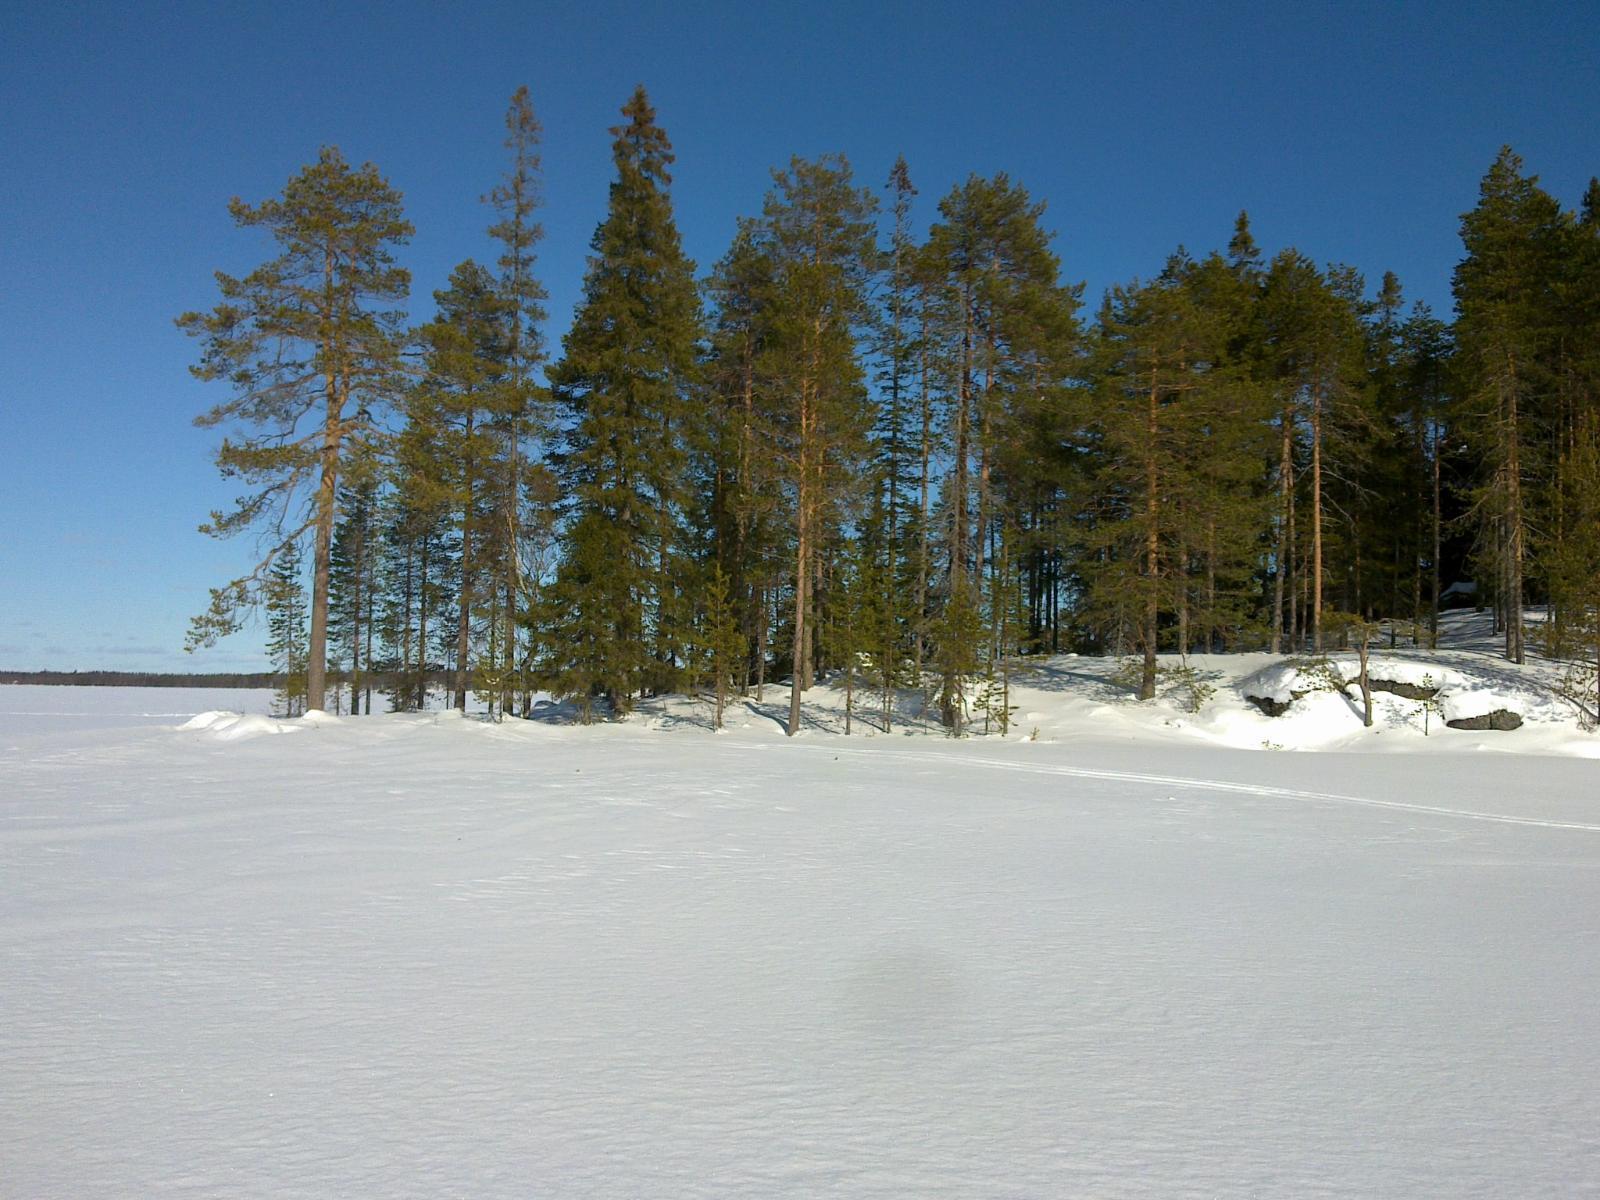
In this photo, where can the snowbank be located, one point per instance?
(233, 726)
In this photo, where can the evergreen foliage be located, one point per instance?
(353, 585)
(906, 464)
(1504, 336)
(521, 514)
(310, 343)
(465, 389)
(816, 226)
(284, 598)
(623, 387)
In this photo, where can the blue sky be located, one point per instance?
(1356, 132)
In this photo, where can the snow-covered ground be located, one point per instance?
(27, 707)
(1138, 956)
(1072, 699)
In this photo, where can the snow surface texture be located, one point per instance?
(426, 956)
(27, 706)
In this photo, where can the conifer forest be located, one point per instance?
(884, 438)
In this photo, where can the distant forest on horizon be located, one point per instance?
(847, 450)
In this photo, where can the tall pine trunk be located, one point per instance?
(1515, 547)
(317, 650)
(802, 563)
(1152, 548)
(405, 623)
(1433, 618)
(513, 563)
(422, 631)
(1285, 531)
(464, 618)
(923, 546)
(1316, 519)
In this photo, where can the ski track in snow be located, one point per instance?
(1222, 785)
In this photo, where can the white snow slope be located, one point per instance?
(430, 956)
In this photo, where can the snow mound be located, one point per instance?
(248, 726)
(232, 726)
(206, 720)
(1277, 683)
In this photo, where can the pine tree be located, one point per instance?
(1006, 332)
(1149, 341)
(817, 227)
(1573, 564)
(1311, 339)
(1571, 545)
(623, 384)
(310, 343)
(1575, 411)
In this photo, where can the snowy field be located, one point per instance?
(33, 708)
(1138, 956)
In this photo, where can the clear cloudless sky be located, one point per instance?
(1354, 131)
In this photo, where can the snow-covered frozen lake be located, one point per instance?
(39, 708)
(427, 956)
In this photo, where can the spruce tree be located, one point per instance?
(1425, 351)
(522, 419)
(1244, 256)
(353, 582)
(718, 650)
(622, 387)
(1227, 504)
(895, 513)
(740, 520)
(416, 553)
(310, 343)
(1390, 551)
(284, 597)
(1503, 330)
(465, 390)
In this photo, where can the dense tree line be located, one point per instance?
(907, 462)
(174, 679)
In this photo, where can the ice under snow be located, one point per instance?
(1126, 951)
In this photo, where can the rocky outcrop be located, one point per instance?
(1501, 719)
(1410, 691)
(1273, 708)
